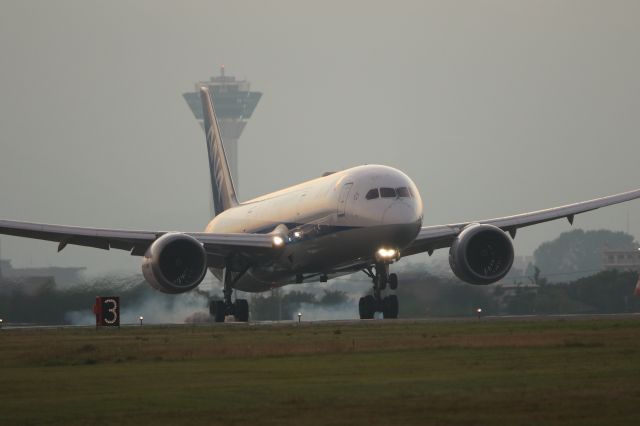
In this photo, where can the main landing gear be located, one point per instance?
(219, 309)
(371, 304)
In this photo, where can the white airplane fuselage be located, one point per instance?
(332, 225)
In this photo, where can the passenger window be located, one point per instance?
(387, 193)
(372, 194)
(403, 192)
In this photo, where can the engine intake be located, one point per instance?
(175, 263)
(481, 254)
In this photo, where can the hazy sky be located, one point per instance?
(492, 107)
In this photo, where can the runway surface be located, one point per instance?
(373, 322)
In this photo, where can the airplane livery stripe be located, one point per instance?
(223, 191)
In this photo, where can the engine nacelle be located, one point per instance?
(175, 263)
(481, 254)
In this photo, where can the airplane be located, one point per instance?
(359, 219)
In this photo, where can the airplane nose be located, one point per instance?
(400, 213)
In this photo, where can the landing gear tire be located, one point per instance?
(241, 310)
(390, 307)
(217, 309)
(393, 281)
(367, 307)
(371, 304)
(382, 282)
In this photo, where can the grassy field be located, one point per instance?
(584, 372)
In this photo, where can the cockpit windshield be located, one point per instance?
(372, 194)
(387, 193)
(403, 192)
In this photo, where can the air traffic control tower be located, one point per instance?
(234, 103)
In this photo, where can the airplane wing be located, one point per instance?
(136, 242)
(431, 238)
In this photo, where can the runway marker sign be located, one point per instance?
(107, 311)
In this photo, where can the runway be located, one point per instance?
(373, 322)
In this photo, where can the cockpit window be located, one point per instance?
(403, 192)
(372, 194)
(413, 195)
(387, 193)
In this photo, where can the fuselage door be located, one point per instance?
(344, 196)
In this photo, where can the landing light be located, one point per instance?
(278, 241)
(387, 253)
(297, 234)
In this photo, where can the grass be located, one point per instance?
(552, 372)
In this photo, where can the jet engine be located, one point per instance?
(481, 254)
(175, 263)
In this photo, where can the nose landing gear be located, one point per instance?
(371, 304)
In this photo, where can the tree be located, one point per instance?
(577, 253)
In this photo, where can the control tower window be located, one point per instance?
(387, 193)
(372, 194)
(403, 192)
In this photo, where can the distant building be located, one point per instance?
(234, 103)
(26, 285)
(63, 276)
(621, 259)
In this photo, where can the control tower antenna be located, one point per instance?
(234, 103)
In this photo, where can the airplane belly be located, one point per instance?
(248, 282)
(348, 246)
(329, 250)
(328, 253)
